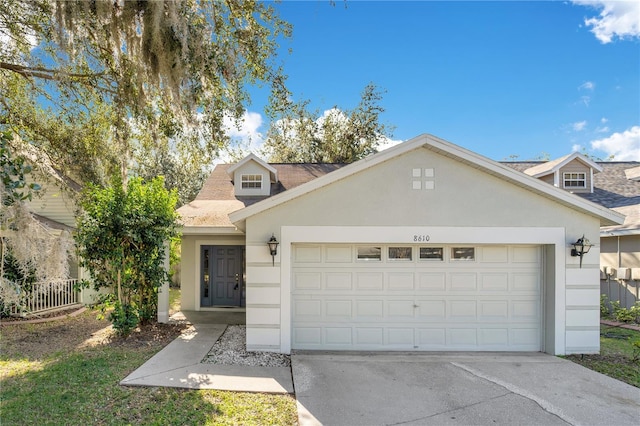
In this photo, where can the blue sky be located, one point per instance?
(525, 79)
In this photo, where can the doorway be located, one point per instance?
(222, 276)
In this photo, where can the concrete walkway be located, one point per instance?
(179, 365)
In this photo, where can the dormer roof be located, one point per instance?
(633, 173)
(273, 173)
(554, 165)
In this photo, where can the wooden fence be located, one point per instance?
(47, 296)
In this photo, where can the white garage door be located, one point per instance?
(416, 297)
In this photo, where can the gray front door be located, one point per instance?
(222, 279)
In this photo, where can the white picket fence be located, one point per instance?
(47, 296)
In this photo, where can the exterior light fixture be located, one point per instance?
(273, 248)
(580, 248)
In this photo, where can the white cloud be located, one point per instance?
(586, 100)
(579, 126)
(623, 146)
(587, 85)
(604, 120)
(247, 128)
(388, 143)
(576, 148)
(616, 19)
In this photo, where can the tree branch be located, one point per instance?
(45, 73)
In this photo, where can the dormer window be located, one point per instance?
(251, 181)
(574, 180)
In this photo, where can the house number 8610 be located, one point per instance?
(421, 238)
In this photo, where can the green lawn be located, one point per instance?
(618, 357)
(76, 383)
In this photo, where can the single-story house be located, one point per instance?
(612, 184)
(425, 246)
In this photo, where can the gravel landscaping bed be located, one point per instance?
(230, 349)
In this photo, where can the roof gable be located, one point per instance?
(252, 157)
(606, 216)
(555, 165)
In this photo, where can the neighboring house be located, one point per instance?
(56, 207)
(424, 246)
(615, 185)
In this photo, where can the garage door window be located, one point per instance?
(463, 253)
(400, 253)
(431, 253)
(369, 253)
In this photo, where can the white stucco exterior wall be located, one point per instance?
(453, 203)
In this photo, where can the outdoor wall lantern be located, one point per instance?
(580, 248)
(273, 248)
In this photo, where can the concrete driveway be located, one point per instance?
(456, 388)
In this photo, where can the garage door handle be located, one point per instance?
(416, 306)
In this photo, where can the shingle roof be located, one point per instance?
(217, 199)
(612, 188)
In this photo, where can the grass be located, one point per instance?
(68, 372)
(618, 357)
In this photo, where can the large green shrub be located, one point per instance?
(121, 241)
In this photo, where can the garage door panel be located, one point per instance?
(431, 310)
(369, 336)
(526, 254)
(338, 309)
(498, 337)
(338, 336)
(462, 310)
(497, 254)
(463, 281)
(397, 336)
(369, 309)
(307, 281)
(525, 337)
(307, 254)
(308, 336)
(400, 309)
(339, 254)
(432, 281)
(338, 280)
(369, 281)
(493, 310)
(462, 337)
(525, 309)
(494, 281)
(435, 338)
(493, 303)
(525, 282)
(400, 281)
(307, 310)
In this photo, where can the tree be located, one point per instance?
(91, 83)
(121, 239)
(335, 137)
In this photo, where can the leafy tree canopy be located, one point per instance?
(338, 136)
(97, 85)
